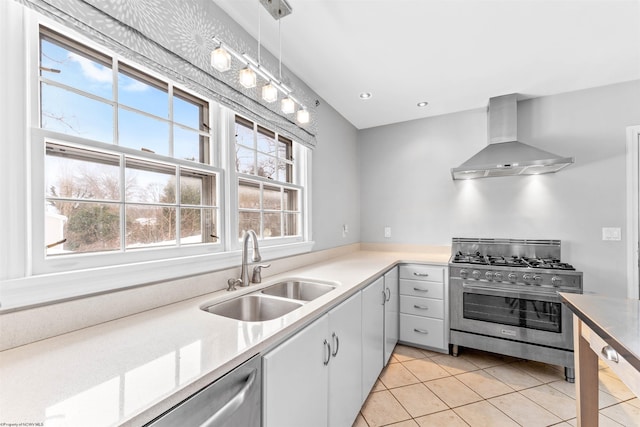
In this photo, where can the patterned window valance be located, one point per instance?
(175, 38)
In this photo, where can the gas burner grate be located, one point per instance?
(511, 261)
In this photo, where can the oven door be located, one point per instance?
(513, 314)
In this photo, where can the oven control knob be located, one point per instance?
(537, 279)
(488, 275)
(497, 276)
(512, 277)
(526, 277)
(464, 273)
(556, 281)
(475, 274)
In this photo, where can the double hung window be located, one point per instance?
(128, 161)
(269, 198)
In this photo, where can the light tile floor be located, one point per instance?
(479, 389)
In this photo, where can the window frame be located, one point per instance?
(40, 262)
(301, 181)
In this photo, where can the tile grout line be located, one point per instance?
(541, 380)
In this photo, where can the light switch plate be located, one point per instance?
(611, 233)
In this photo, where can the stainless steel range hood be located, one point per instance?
(505, 156)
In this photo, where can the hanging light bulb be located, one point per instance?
(221, 59)
(247, 77)
(303, 116)
(287, 105)
(269, 92)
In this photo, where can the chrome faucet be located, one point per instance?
(244, 276)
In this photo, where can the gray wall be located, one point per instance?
(336, 186)
(406, 182)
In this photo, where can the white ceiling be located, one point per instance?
(455, 54)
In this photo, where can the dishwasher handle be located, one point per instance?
(220, 417)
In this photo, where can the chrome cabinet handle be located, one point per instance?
(389, 295)
(336, 346)
(421, 331)
(420, 307)
(328, 347)
(421, 290)
(610, 354)
(221, 417)
(415, 273)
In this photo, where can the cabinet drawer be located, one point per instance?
(426, 307)
(418, 288)
(422, 272)
(423, 331)
(623, 369)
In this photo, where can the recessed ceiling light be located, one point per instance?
(365, 95)
(423, 104)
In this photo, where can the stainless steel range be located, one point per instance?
(504, 299)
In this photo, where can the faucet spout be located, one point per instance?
(244, 276)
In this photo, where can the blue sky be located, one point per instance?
(67, 112)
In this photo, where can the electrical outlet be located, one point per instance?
(345, 230)
(611, 233)
(387, 232)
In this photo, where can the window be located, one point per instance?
(269, 199)
(128, 156)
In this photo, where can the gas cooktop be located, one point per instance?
(510, 261)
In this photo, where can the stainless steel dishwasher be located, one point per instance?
(233, 400)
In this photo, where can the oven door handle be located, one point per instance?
(551, 296)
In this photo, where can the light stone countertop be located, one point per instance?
(130, 370)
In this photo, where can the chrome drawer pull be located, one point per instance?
(420, 307)
(421, 331)
(610, 354)
(421, 290)
(415, 273)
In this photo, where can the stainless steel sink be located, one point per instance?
(298, 290)
(253, 308)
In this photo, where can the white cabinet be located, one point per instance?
(424, 306)
(373, 298)
(295, 379)
(313, 379)
(345, 377)
(391, 313)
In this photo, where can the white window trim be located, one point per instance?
(20, 288)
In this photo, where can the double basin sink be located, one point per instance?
(271, 302)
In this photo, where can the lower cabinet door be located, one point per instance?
(423, 331)
(372, 334)
(345, 376)
(296, 379)
(391, 310)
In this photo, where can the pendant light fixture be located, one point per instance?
(247, 77)
(269, 93)
(286, 105)
(221, 58)
(302, 116)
